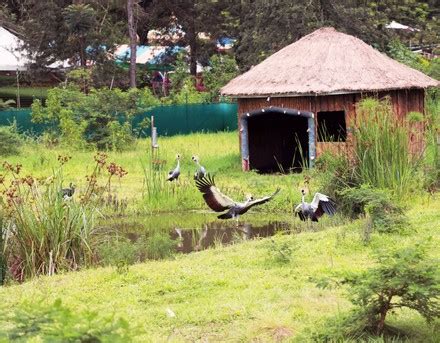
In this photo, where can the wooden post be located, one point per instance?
(154, 145)
(18, 89)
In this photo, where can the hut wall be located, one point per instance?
(403, 102)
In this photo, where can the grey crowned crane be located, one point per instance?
(201, 171)
(174, 174)
(320, 204)
(67, 193)
(219, 202)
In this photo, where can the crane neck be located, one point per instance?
(303, 199)
(178, 163)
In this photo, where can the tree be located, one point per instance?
(403, 278)
(184, 21)
(83, 32)
(419, 14)
(266, 27)
(6, 17)
(133, 42)
(80, 20)
(222, 70)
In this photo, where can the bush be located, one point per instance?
(335, 173)
(402, 278)
(385, 213)
(183, 90)
(37, 322)
(10, 141)
(101, 117)
(223, 68)
(401, 53)
(188, 94)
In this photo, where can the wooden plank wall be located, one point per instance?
(403, 102)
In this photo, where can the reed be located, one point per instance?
(162, 195)
(432, 156)
(382, 148)
(47, 232)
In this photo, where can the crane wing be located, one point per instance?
(322, 204)
(261, 200)
(215, 199)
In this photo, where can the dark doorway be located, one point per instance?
(331, 126)
(278, 142)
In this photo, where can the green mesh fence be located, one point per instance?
(23, 120)
(169, 120)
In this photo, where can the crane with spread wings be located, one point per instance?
(320, 205)
(219, 202)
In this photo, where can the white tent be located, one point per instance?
(394, 25)
(12, 57)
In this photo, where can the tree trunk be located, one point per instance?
(193, 55)
(192, 42)
(383, 313)
(381, 323)
(133, 42)
(82, 55)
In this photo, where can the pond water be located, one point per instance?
(197, 231)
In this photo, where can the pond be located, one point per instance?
(195, 231)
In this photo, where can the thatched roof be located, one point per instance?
(326, 62)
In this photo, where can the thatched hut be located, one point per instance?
(300, 101)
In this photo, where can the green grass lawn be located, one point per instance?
(219, 153)
(235, 293)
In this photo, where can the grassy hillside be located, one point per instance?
(236, 293)
(260, 290)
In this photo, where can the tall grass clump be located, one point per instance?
(48, 232)
(432, 160)
(162, 195)
(382, 148)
